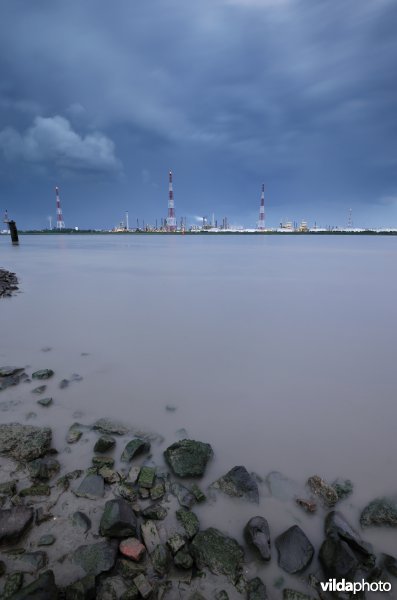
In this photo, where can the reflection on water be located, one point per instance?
(280, 352)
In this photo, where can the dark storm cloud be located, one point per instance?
(298, 91)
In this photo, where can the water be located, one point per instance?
(279, 351)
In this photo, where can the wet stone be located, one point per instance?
(79, 519)
(176, 542)
(118, 519)
(109, 475)
(308, 505)
(13, 584)
(189, 522)
(323, 490)
(110, 427)
(143, 586)
(257, 533)
(92, 487)
(39, 489)
(45, 401)
(380, 512)
(46, 540)
(343, 488)
(134, 474)
(197, 493)
(256, 590)
(134, 448)
(157, 512)
(10, 371)
(337, 559)
(183, 559)
(221, 554)
(102, 461)
(157, 491)
(43, 374)
(74, 434)
(161, 559)
(96, 558)
(188, 458)
(184, 496)
(104, 443)
(8, 488)
(63, 384)
(43, 588)
(39, 390)
(64, 481)
(295, 552)
(150, 535)
(238, 483)
(24, 442)
(127, 491)
(43, 468)
(146, 477)
(34, 561)
(132, 548)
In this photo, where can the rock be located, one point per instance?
(143, 586)
(238, 483)
(64, 481)
(337, 525)
(129, 569)
(110, 427)
(43, 374)
(39, 390)
(109, 475)
(343, 488)
(43, 468)
(34, 560)
(43, 515)
(189, 522)
(92, 487)
(83, 589)
(134, 448)
(156, 511)
(43, 588)
(308, 505)
(188, 458)
(10, 371)
(103, 461)
(185, 497)
(24, 442)
(110, 588)
(13, 584)
(40, 489)
(382, 511)
(104, 443)
(8, 488)
(390, 564)
(146, 477)
(46, 540)
(157, 491)
(132, 548)
(295, 552)
(197, 493)
(281, 487)
(161, 559)
(118, 519)
(257, 534)
(256, 590)
(45, 401)
(96, 558)
(14, 522)
(150, 535)
(337, 559)
(221, 595)
(127, 491)
(221, 554)
(289, 594)
(64, 383)
(79, 519)
(176, 542)
(323, 490)
(74, 434)
(183, 560)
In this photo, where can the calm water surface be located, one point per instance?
(279, 351)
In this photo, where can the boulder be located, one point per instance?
(118, 520)
(382, 511)
(134, 448)
(146, 477)
(238, 483)
(43, 468)
(337, 525)
(80, 520)
(150, 535)
(257, 533)
(43, 374)
(110, 427)
(221, 554)
(156, 511)
(14, 522)
(295, 552)
(183, 559)
(43, 588)
(188, 458)
(161, 559)
(24, 442)
(189, 522)
(96, 558)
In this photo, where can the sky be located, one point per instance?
(103, 98)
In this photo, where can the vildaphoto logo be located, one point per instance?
(333, 585)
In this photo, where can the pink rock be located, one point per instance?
(132, 548)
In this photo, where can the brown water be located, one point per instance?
(279, 351)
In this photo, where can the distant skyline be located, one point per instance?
(103, 99)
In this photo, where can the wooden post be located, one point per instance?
(13, 232)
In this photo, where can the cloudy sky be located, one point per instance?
(103, 98)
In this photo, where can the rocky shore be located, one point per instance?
(8, 283)
(123, 527)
